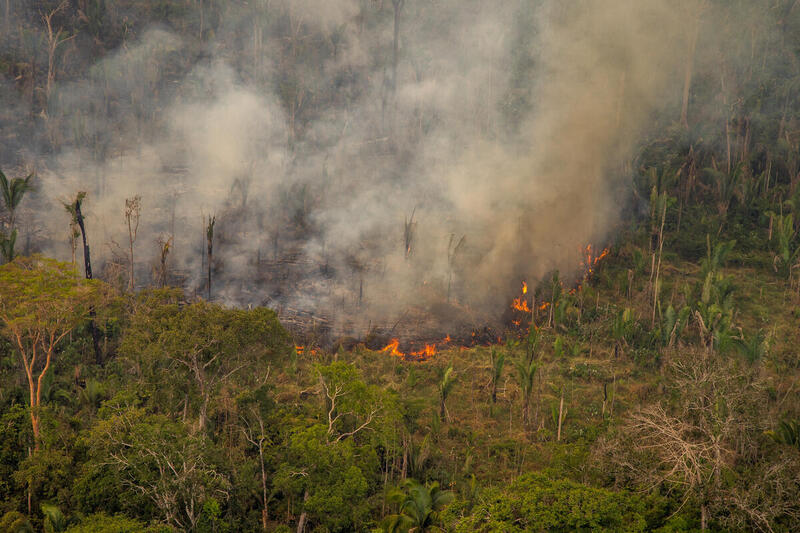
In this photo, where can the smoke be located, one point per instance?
(501, 150)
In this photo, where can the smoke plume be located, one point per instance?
(502, 148)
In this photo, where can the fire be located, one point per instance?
(544, 306)
(393, 348)
(521, 303)
(446, 340)
(300, 350)
(428, 351)
(591, 259)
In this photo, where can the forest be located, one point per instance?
(399, 265)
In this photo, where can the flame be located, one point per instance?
(392, 348)
(544, 306)
(591, 260)
(521, 303)
(428, 351)
(446, 340)
(301, 350)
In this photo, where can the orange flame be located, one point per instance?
(392, 348)
(428, 351)
(521, 303)
(591, 259)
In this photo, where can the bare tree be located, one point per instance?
(161, 270)
(686, 445)
(133, 210)
(212, 220)
(255, 433)
(55, 38)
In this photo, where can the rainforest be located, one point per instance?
(399, 266)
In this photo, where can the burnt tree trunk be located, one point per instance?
(87, 262)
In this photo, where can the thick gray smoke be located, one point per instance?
(341, 192)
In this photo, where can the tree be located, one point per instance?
(526, 374)
(41, 302)
(691, 444)
(133, 210)
(12, 192)
(203, 343)
(351, 405)
(257, 418)
(328, 481)
(210, 246)
(446, 383)
(55, 38)
(7, 243)
(74, 209)
(497, 363)
(535, 502)
(420, 506)
(161, 459)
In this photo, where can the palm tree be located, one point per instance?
(445, 386)
(7, 243)
(497, 362)
(12, 192)
(788, 433)
(54, 519)
(526, 373)
(419, 507)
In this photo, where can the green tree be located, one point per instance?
(41, 302)
(419, 507)
(161, 459)
(327, 481)
(534, 502)
(446, 382)
(207, 345)
(526, 375)
(497, 361)
(12, 192)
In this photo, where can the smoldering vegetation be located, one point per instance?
(367, 163)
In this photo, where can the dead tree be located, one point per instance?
(452, 249)
(55, 38)
(133, 210)
(212, 220)
(75, 211)
(164, 246)
(408, 233)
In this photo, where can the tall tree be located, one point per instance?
(41, 302)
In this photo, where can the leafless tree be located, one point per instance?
(55, 38)
(133, 209)
(686, 445)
